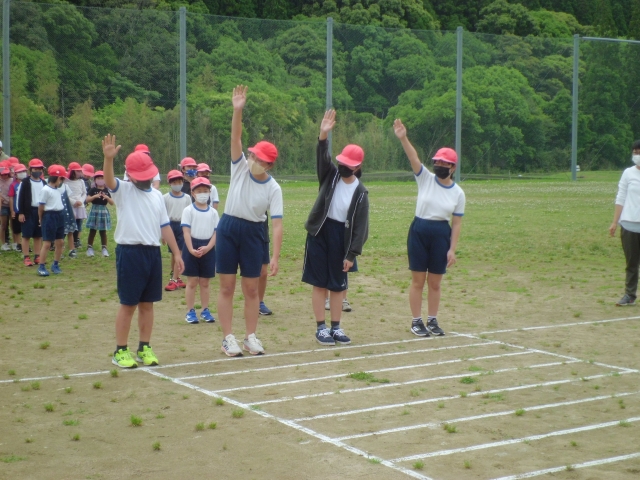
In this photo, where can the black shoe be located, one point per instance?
(323, 336)
(434, 329)
(418, 328)
(626, 301)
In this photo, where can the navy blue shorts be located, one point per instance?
(5, 211)
(239, 242)
(30, 227)
(52, 225)
(203, 267)
(139, 273)
(266, 259)
(178, 233)
(427, 244)
(324, 258)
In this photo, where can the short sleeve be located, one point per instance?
(459, 210)
(276, 207)
(162, 210)
(216, 219)
(44, 196)
(213, 196)
(239, 166)
(186, 217)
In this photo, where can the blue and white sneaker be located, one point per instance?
(434, 329)
(206, 316)
(323, 336)
(42, 270)
(339, 336)
(191, 316)
(55, 268)
(264, 310)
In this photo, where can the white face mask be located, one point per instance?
(255, 168)
(202, 197)
(176, 188)
(636, 159)
(21, 175)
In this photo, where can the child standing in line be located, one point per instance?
(189, 169)
(240, 234)
(199, 222)
(28, 202)
(175, 202)
(337, 228)
(203, 172)
(20, 174)
(99, 216)
(5, 211)
(78, 196)
(70, 225)
(51, 219)
(87, 172)
(142, 221)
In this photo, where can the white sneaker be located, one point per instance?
(5, 248)
(327, 305)
(15, 247)
(346, 306)
(90, 252)
(230, 346)
(105, 252)
(253, 345)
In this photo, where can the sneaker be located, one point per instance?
(252, 345)
(171, 286)
(626, 301)
(323, 336)
(52, 248)
(105, 252)
(230, 346)
(418, 328)
(191, 316)
(36, 259)
(56, 269)
(339, 336)
(206, 316)
(122, 358)
(327, 305)
(17, 247)
(27, 262)
(180, 283)
(42, 271)
(346, 306)
(74, 254)
(6, 247)
(147, 357)
(264, 310)
(90, 252)
(77, 243)
(434, 329)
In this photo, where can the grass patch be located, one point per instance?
(159, 416)
(624, 423)
(519, 412)
(156, 446)
(97, 385)
(12, 459)
(71, 423)
(375, 461)
(468, 380)
(68, 389)
(467, 464)
(136, 421)
(83, 316)
(213, 426)
(44, 345)
(76, 437)
(114, 373)
(49, 407)
(367, 377)
(11, 372)
(449, 428)
(218, 402)
(237, 413)
(35, 385)
(419, 465)
(199, 427)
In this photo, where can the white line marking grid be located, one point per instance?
(313, 368)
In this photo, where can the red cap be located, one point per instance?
(5, 163)
(99, 173)
(199, 182)
(265, 151)
(36, 163)
(19, 168)
(88, 170)
(351, 156)
(173, 174)
(140, 166)
(75, 166)
(14, 160)
(188, 162)
(5, 171)
(142, 148)
(203, 167)
(446, 155)
(56, 171)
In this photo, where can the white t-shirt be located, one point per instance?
(249, 198)
(437, 201)
(141, 215)
(51, 198)
(176, 205)
(629, 197)
(201, 222)
(341, 201)
(213, 196)
(36, 188)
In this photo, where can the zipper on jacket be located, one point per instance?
(325, 217)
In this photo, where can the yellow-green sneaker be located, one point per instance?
(123, 358)
(147, 357)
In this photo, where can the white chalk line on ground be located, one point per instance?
(291, 424)
(592, 463)
(486, 415)
(52, 377)
(544, 327)
(345, 375)
(450, 397)
(336, 360)
(512, 441)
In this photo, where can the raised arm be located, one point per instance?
(110, 150)
(324, 165)
(401, 132)
(239, 99)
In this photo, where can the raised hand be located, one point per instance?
(328, 122)
(109, 148)
(239, 97)
(399, 129)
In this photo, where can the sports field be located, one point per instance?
(537, 376)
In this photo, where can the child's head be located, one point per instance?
(98, 178)
(189, 167)
(140, 169)
(36, 167)
(262, 157)
(175, 178)
(203, 170)
(88, 170)
(55, 172)
(75, 171)
(350, 161)
(444, 162)
(5, 172)
(200, 189)
(20, 171)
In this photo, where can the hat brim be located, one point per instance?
(88, 174)
(258, 154)
(444, 160)
(175, 177)
(144, 175)
(347, 161)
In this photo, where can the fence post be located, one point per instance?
(329, 100)
(574, 108)
(183, 82)
(459, 31)
(6, 79)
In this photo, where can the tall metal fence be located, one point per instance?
(163, 78)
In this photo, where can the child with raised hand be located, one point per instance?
(175, 202)
(337, 228)
(51, 220)
(240, 234)
(142, 221)
(431, 244)
(99, 217)
(199, 222)
(203, 170)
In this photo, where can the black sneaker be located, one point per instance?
(418, 328)
(339, 336)
(434, 329)
(323, 336)
(626, 301)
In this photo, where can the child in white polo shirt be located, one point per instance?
(51, 220)
(142, 221)
(176, 201)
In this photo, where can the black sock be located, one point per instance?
(335, 325)
(416, 320)
(141, 346)
(321, 325)
(120, 347)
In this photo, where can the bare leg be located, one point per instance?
(123, 323)
(70, 245)
(251, 303)
(204, 292)
(25, 246)
(37, 244)
(44, 250)
(3, 227)
(225, 301)
(318, 296)
(433, 297)
(57, 255)
(190, 292)
(262, 284)
(145, 320)
(335, 304)
(415, 293)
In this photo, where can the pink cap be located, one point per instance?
(173, 174)
(203, 167)
(188, 162)
(88, 170)
(142, 148)
(56, 171)
(14, 160)
(36, 163)
(99, 173)
(74, 166)
(351, 156)
(19, 168)
(140, 166)
(199, 182)
(446, 155)
(265, 151)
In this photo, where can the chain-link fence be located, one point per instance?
(78, 73)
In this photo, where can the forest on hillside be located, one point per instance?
(84, 69)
